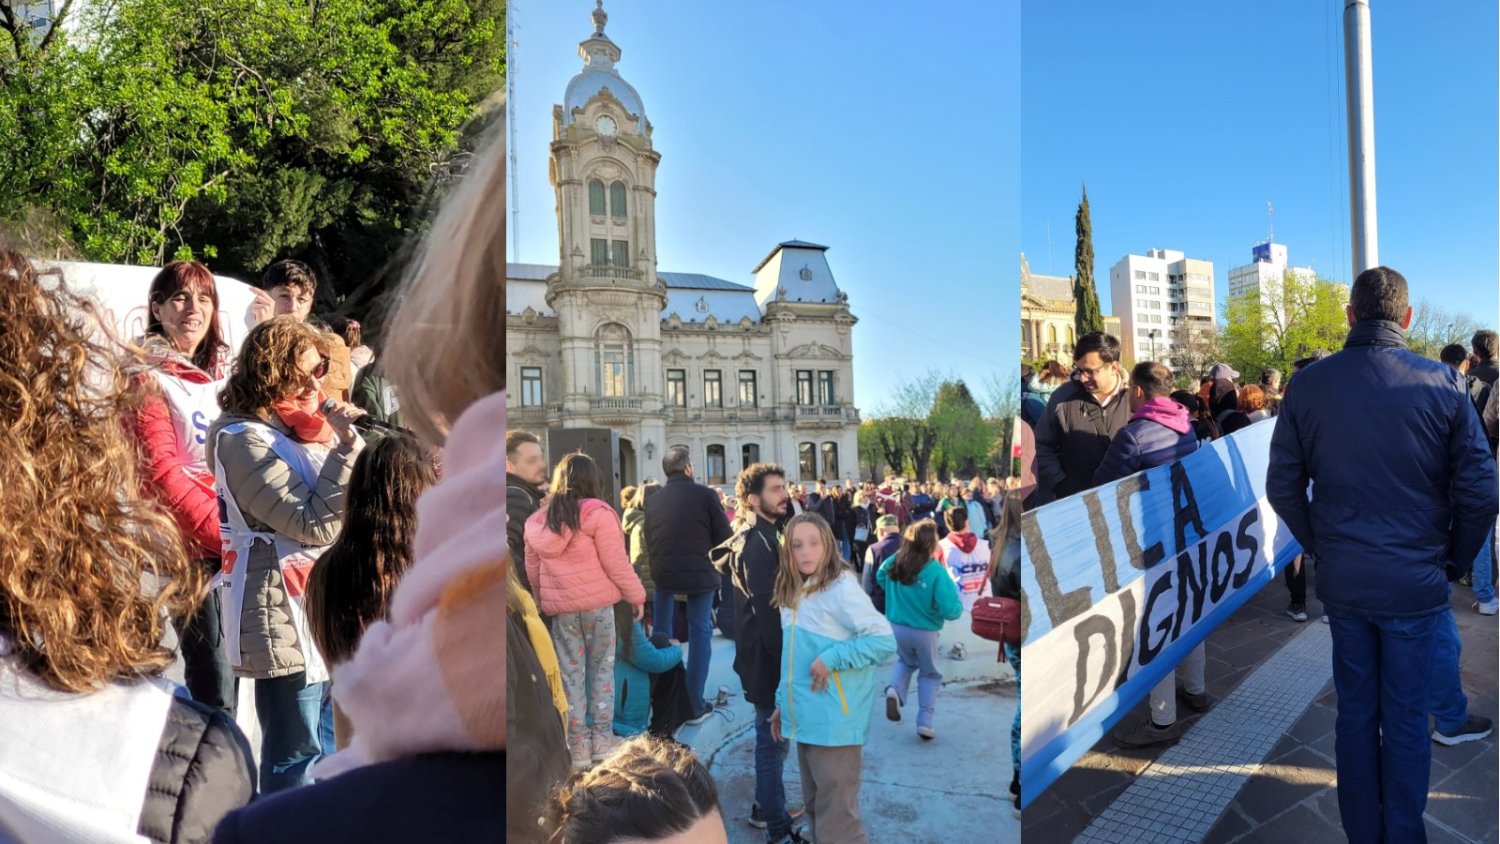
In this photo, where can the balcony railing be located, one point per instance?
(606, 271)
(615, 404)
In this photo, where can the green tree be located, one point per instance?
(962, 436)
(1086, 319)
(871, 456)
(239, 131)
(1287, 322)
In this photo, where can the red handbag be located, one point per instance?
(997, 619)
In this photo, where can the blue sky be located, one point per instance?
(884, 131)
(1186, 117)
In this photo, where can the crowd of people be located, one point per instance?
(818, 585)
(264, 503)
(1402, 504)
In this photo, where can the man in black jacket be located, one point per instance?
(1074, 431)
(1403, 493)
(525, 476)
(751, 558)
(684, 520)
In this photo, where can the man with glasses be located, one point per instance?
(1084, 414)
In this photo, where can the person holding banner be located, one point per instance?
(920, 597)
(187, 361)
(1082, 417)
(280, 504)
(1403, 493)
(1159, 432)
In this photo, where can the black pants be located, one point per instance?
(210, 680)
(1296, 580)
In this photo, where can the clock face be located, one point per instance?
(605, 126)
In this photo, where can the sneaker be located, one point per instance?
(1324, 619)
(708, 709)
(1016, 806)
(959, 651)
(1297, 613)
(926, 733)
(1489, 607)
(1149, 734)
(758, 818)
(1474, 729)
(603, 748)
(1200, 702)
(581, 759)
(1015, 784)
(892, 704)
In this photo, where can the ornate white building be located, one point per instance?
(736, 373)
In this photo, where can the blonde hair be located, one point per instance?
(791, 585)
(447, 338)
(77, 537)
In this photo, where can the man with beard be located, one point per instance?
(525, 474)
(751, 558)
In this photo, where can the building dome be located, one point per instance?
(599, 73)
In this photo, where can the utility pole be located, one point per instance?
(1360, 86)
(510, 105)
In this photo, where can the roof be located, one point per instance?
(1050, 286)
(698, 281)
(683, 281)
(789, 244)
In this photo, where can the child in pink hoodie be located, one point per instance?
(575, 557)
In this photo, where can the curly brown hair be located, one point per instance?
(265, 371)
(78, 537)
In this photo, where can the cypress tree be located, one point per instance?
(1086, 317)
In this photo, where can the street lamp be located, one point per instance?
(1152, 334)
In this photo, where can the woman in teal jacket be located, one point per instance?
(920, 596)
(832, 641)
(636, 659)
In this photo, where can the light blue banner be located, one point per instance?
(1122, 581)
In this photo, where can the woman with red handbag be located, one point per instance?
(1005, 582)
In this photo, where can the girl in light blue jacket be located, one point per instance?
(832, 641)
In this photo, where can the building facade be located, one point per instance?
(1265, 277)
(736, 373)
(1162, 298)
(1047, 316)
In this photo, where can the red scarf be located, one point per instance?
(305, 419)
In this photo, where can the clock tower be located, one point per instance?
(606, 292)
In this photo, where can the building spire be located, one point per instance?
(599, 17)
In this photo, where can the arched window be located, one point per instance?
(830, 461)
(617, 200)
(615, 356)
(715, 464)
(596, 198)
(749, 455)
(1071, 341)
(1051, 335)
(807, 462)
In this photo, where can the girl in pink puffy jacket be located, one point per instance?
(575, 557)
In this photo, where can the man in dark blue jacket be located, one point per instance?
(1159, 432)
(751, 559)
(1403, 493)
(684, 520)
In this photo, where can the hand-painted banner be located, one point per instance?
(1122, 581)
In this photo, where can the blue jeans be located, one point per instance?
(700, 651)
(325, 722)
(1484, 576)
(916, 653)
(1013, 656)
(1382, 667)
(770, 762)
(289, 711)
(1445, 697)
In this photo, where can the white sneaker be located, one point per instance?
(1489, 607)
(892, 704)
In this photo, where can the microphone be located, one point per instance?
(367, 422)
